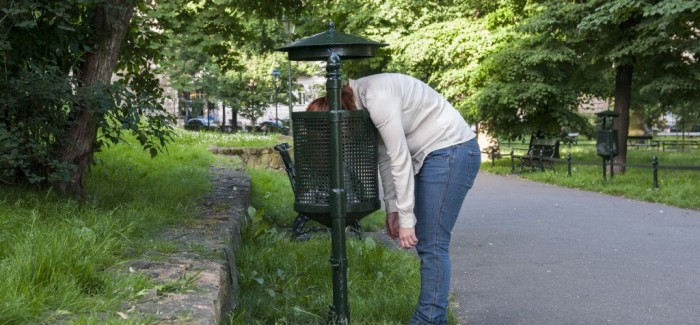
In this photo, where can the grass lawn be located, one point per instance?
(289, 282)
(679, 188)
(65, 261)
(62, 260)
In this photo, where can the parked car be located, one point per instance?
(199, 123)
(273, 126)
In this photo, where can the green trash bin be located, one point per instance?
(606, 137)
(312, 155)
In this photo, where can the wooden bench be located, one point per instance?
(569, 138)
(539, 153)
(677, 144)
(642, 141)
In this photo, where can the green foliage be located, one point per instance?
(531, 85)
(441, 42)
(657, 37)
(37, 90)
(566, 54)
(228, 57)
(445, 55)
(44, 45)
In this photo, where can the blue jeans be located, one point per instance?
(440, 188)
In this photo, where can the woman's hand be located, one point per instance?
(408, 238)
(392, 224)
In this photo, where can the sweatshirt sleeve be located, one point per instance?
(395, 166)
(387, 179)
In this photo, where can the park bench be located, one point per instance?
(641, 141)
(539, 154)
(569, 138)
(677, 144)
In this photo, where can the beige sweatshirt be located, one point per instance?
(413, 120)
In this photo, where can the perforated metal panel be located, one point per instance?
(606, 143)
(313, 161)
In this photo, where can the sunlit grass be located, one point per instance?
(295, 287)
(64, 262)
(205, 139)
(61, 260)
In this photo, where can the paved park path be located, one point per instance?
(529, 253)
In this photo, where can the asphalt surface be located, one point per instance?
(529, 253)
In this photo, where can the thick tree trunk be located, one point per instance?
(623, 99)
(111, 22)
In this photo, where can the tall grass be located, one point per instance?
(53, 260)
(64, 261)
(295, 287)
(289, 282)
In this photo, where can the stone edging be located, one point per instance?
(206, 256)
(253, 157)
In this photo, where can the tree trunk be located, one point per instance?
(234, 119)
(623, 98)
(223, 116)
(111, 23)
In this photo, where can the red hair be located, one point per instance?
(347, 98)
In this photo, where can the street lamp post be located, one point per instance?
(251, 102)
(289, 28)
(275, 76)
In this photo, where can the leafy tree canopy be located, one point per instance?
(570, 50)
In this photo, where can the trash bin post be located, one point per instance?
(606, 140)
(340, 314)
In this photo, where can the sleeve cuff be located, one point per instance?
(408, 221)
(390, 206)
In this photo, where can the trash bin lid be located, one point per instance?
(607, 114)
(320, 46)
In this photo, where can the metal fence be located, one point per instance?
(653, 165)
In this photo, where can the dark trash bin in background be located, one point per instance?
(606, 140)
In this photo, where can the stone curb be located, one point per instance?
(204, 263)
